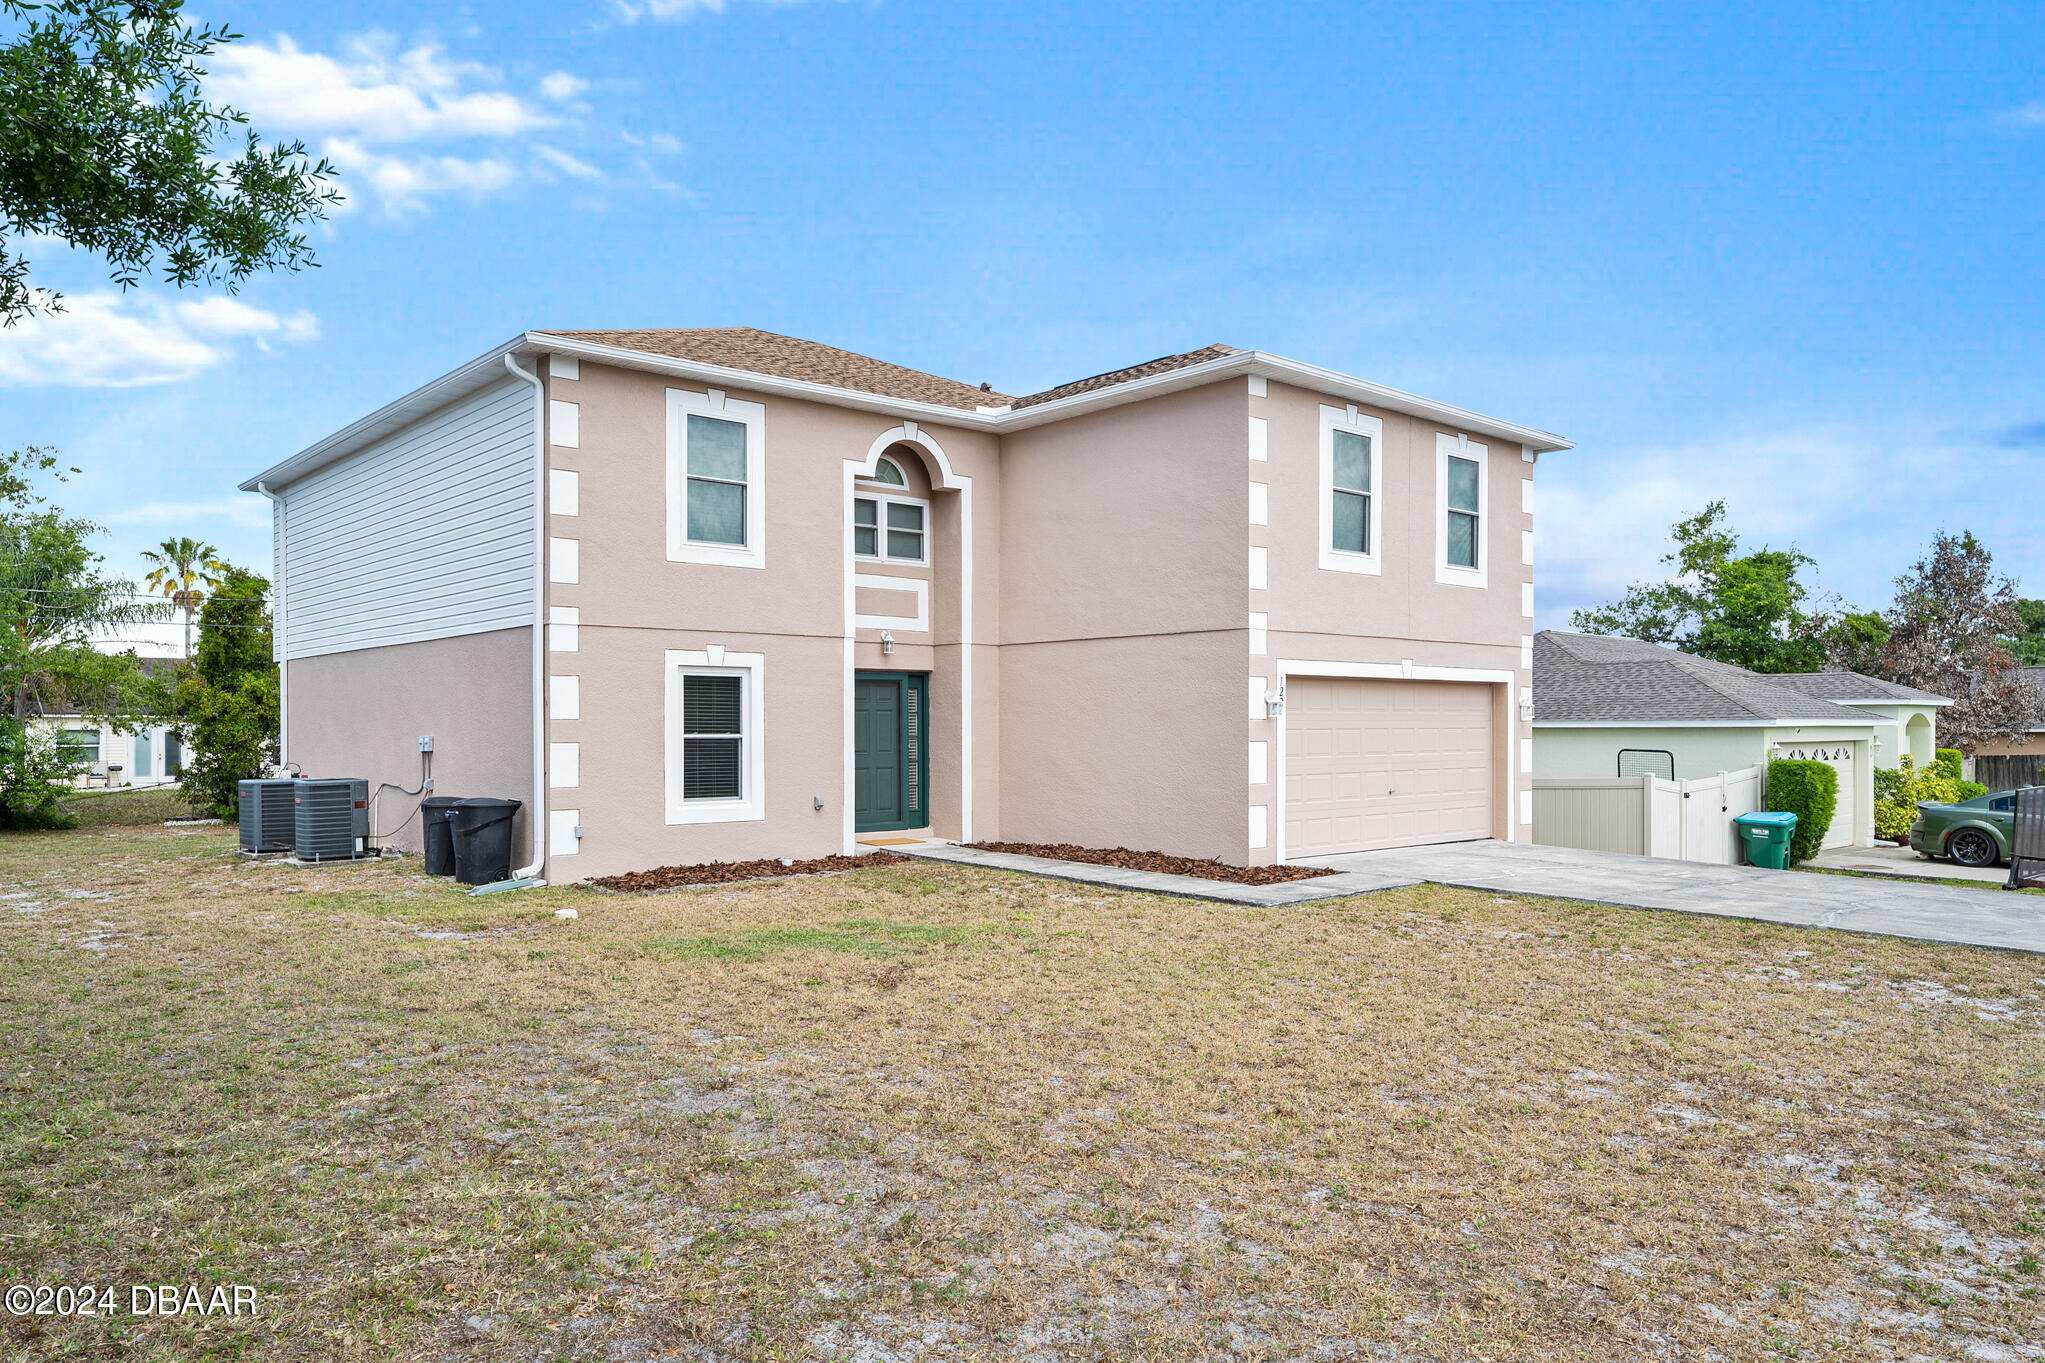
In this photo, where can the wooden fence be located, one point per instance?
(1647, 815)
(2009, 773)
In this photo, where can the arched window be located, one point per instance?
(889, 472)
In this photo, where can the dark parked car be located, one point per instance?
(1973, 832)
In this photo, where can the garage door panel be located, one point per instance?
(1840, 757)
(1385, 764)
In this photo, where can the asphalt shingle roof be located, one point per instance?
(1595, 678)
(1852, 686)
(1164, 364)
(764, 352)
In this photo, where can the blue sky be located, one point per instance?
(1785, 255)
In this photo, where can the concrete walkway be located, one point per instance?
(1340, 886)
(1893, 908)
(1901, 861)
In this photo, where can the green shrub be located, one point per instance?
(1896, 809)
(1809, 790)
(1947, 760)
(1888, 783)
(35, 776)
(1970, 790)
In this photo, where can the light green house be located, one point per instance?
(1606, 707)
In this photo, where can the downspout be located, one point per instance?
(539, 805)
(281, 600)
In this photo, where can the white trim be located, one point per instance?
(946, 480)
(1526, 808)
(1259, 386)
(1894, 700)
(438, 392)
(876, 480)
(1527, 600)
(564, 765)
(1526, 496)
(1260, 762)
(564, 627)
(881, 582)
(1260, 572)
(1526, 653)
(882, 500)
(564, 492)
(1335, 419)
(564, 697)
(564, 561)
(563, 367)
(682, 404)
(1527, 548)
(1260, 503)
(1260, 439)
(564, 424)
(1260, 821)
(751, 805)
(542, 638)
(1260, 633)
(1709, 723)
(561, 836)
(1461, 447)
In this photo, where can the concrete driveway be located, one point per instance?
(1895, 908)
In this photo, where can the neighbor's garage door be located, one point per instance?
(1385, 764)
(1839, 756)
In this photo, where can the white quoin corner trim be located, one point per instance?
(946, 479)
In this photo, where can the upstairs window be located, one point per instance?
(890, 529)
(1459, 496)
(888, 472)
(716, 479)
(1352, 487)
(1352, 492)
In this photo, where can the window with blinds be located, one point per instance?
(713, 736)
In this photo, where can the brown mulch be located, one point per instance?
(1204, 867)
(719, 872)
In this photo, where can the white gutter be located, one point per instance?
(281, 628)
(539, 805)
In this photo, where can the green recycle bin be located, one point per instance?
(1765, 834)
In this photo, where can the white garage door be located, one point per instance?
(1840, 757)
(1385, 764)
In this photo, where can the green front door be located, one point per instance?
(890, 751)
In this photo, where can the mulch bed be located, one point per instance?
(1203, 867)
(720, 872)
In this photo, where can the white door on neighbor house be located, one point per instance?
(1372, 764)
(1841, 758)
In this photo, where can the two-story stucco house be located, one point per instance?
(722, 594)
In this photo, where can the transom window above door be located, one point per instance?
(890, 529)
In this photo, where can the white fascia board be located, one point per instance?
(1894, 700)
(489, 367)
(1709, 723)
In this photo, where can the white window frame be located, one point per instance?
(751, 805)
(681, 405)
(1461, 447)
(879, 481)
(1335, 419)
(881, 503)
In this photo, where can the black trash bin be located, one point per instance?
(439, 836)
(482, 839)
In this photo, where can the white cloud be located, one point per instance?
(560, 85)
(374, 93)
(631, 11)
(110, 340)
(2030, 115)
(403, 184)
(250, 513)
(571, 166)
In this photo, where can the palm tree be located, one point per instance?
(186, 569)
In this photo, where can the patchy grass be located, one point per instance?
(130, 807)
(936, 1112)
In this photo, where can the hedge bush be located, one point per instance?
(1947, 760)
(1898, 793)
(1970, 790)
(1809, 790)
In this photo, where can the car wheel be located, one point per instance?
(1972, 847)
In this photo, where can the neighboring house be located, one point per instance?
(112, 755)
(1607, 706)
(1222, 603)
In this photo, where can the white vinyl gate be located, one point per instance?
(1648, 816)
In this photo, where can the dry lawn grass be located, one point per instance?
(933, 1112)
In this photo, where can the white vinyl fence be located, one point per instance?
(1646, 815)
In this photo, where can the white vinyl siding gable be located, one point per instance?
(426, 534)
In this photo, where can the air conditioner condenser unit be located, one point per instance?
(331, 820)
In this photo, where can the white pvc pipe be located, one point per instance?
(539, 805)
(279, 603)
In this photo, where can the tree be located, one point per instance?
(2027, 646)
(186, 569)
(53, 599)
(108, 144)
(1856, 642)
(224, 705)
(1946, 635)
(1747, 609)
